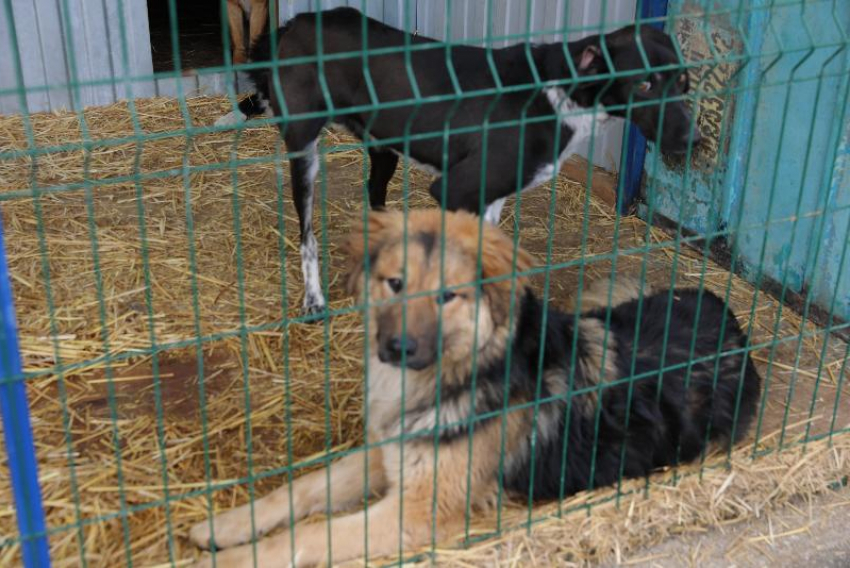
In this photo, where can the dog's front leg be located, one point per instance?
(309, 495)
(258, 20)
(386, 533)
(237, 27)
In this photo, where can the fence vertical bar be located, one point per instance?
(17, 431)
(635, 140)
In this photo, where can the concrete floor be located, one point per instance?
(807, 534)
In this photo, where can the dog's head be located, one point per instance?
(655, 95)
(406, 298)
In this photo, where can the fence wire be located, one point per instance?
(161, 371)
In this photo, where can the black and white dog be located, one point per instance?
(405, 103)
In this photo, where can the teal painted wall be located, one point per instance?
(777, 175)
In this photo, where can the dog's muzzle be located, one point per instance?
(396, 350)
(680, 144)
(680, 130)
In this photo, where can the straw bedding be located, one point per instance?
(106, 415)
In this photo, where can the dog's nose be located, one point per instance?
(398, 346)
(417, 354)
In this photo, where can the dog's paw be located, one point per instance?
(243, 557)
(204, 561)
(200, 535)
(314, 307)
(314, 312)
(231, 528)
(230, 119)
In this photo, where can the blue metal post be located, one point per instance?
(17, 431)
(635, 140)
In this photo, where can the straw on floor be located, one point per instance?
(118, 451)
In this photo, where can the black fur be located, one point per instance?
(345, 86)
(257, 102)
(669, 423)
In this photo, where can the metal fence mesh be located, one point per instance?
(153, 260)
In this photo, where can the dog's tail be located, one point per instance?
(258, 79)
(599, 294)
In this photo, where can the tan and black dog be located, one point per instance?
(552, 408)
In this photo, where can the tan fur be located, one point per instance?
(457, 475)
(595, 294)
(275, 509)
(419, 314)
(402, 470)
(599, 363)
(258, 16)
(601, 351)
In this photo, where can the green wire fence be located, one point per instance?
(159, 370)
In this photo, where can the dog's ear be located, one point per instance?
(591, 61)
(497, 260)
(497, 256)
(378, 229)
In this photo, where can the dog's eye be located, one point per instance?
(446, 297)
(395, 284)
(644, 86)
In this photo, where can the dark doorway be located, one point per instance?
(199, 32)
